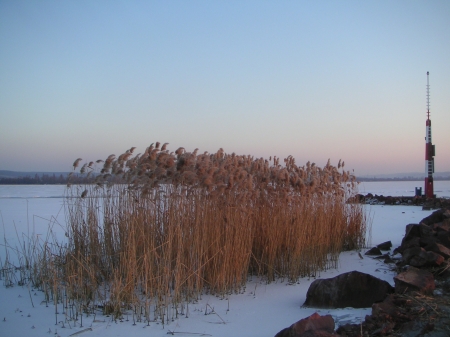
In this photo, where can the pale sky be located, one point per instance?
(311, 79)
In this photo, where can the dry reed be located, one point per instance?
(176, 225)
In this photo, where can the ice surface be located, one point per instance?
(263, 310)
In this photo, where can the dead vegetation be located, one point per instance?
(181, 224)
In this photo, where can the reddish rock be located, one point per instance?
(442, 226)
(424, 259)
(439, 249)
(353, 289)
(312, 326)
(435, 259)
(414, 279)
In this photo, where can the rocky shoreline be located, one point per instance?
(426, 203)
(418, 305)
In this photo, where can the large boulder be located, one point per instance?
(415, 279)
(353, 289)
(312, 326)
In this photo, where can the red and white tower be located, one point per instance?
(429, 149)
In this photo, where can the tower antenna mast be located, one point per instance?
(428, 94)
(429, 149)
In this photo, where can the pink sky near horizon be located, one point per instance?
(315, 80)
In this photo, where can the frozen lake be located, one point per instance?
(403, 188)
(262, 311)
(32, 208)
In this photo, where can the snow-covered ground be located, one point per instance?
(263, 309)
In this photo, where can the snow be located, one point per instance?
(261, 310)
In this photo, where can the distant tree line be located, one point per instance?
(52, 179)
(401, 179)
(45, 179)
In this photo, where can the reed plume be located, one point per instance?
(176, 225)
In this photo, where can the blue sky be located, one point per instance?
(312, 79)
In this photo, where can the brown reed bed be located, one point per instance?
(159, 229)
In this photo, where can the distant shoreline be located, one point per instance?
(60, 178)
(400, 179)
(50, 180)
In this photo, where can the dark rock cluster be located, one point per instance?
(427, 244)
(426, 203)
(414, 307)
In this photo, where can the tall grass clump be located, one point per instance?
(157, 230)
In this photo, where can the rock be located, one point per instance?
(388, 310)
(434, 259)
(414, 242)
(429, 259)
(312, 326)
(419, 260)
(388, 260)
(414, 328)
(419, 257)
(414, 279)
(374, 252)
(385, 245)
(446, 213)
(409, 253)
(348, 329)
(439, 249)
(435, 217)
(358, 198)
(443, 238)
(353, 289)
(429, 240)
(442, 226)
(415, 230)
(417, 236)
